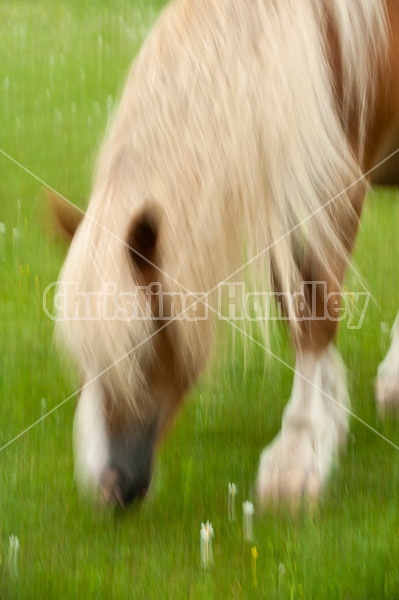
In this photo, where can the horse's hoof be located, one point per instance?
(387, 383)
(387, 395)
(293, 471)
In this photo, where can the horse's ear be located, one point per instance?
(65, 217)
(143, 240)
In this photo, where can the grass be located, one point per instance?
(62, 67)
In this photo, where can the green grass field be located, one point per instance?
(62, 67)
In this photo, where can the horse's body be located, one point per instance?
(242, 124)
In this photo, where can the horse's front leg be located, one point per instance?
(314, 425)
(315, 422)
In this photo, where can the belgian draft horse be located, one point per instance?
(246, 133)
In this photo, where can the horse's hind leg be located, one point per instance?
(315, 422)
(387, 384)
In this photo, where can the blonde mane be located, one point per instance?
(229, 123)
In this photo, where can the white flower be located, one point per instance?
(231, 501)
(207, 534)
(13, 556)
(248, 513)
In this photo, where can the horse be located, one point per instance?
(247, 134)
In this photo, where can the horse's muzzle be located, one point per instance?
(128, 475)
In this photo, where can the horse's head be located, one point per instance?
(133, 379)
(116, 434)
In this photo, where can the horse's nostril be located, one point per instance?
(128, 475)
(117, 490)
(110, 488)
